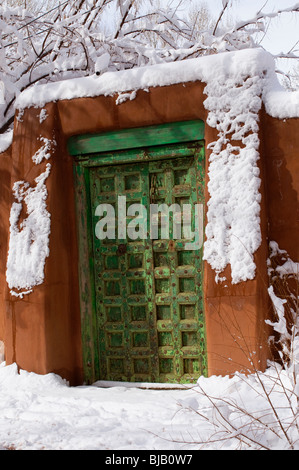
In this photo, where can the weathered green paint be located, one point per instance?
(86, 276)
(141, 301)
(137, 155)
(163, 134)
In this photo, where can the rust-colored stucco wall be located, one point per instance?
(5, 204)
(280, 138)
(42, 330)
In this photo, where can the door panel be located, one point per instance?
(148, 292)
(124, 282)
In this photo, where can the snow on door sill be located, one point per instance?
(143, 385)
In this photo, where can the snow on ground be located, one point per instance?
(43, 412)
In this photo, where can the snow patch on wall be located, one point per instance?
(285, 298)
(29, 238)
(42, 115)
(44, 152)
(233, 218)
(288, 266)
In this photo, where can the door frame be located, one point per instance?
(132, 146)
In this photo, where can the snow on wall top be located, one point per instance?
(278, 102)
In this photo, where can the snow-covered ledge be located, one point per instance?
(243, 63)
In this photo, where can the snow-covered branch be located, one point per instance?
(264, 16)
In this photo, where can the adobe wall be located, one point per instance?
(281, 156)
(42, 330)
(5, 204)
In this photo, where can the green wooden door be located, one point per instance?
(147, 311)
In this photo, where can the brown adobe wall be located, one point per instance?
(5, 204)
(43, 329)
(281, 155)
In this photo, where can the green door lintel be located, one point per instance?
(163, 134)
